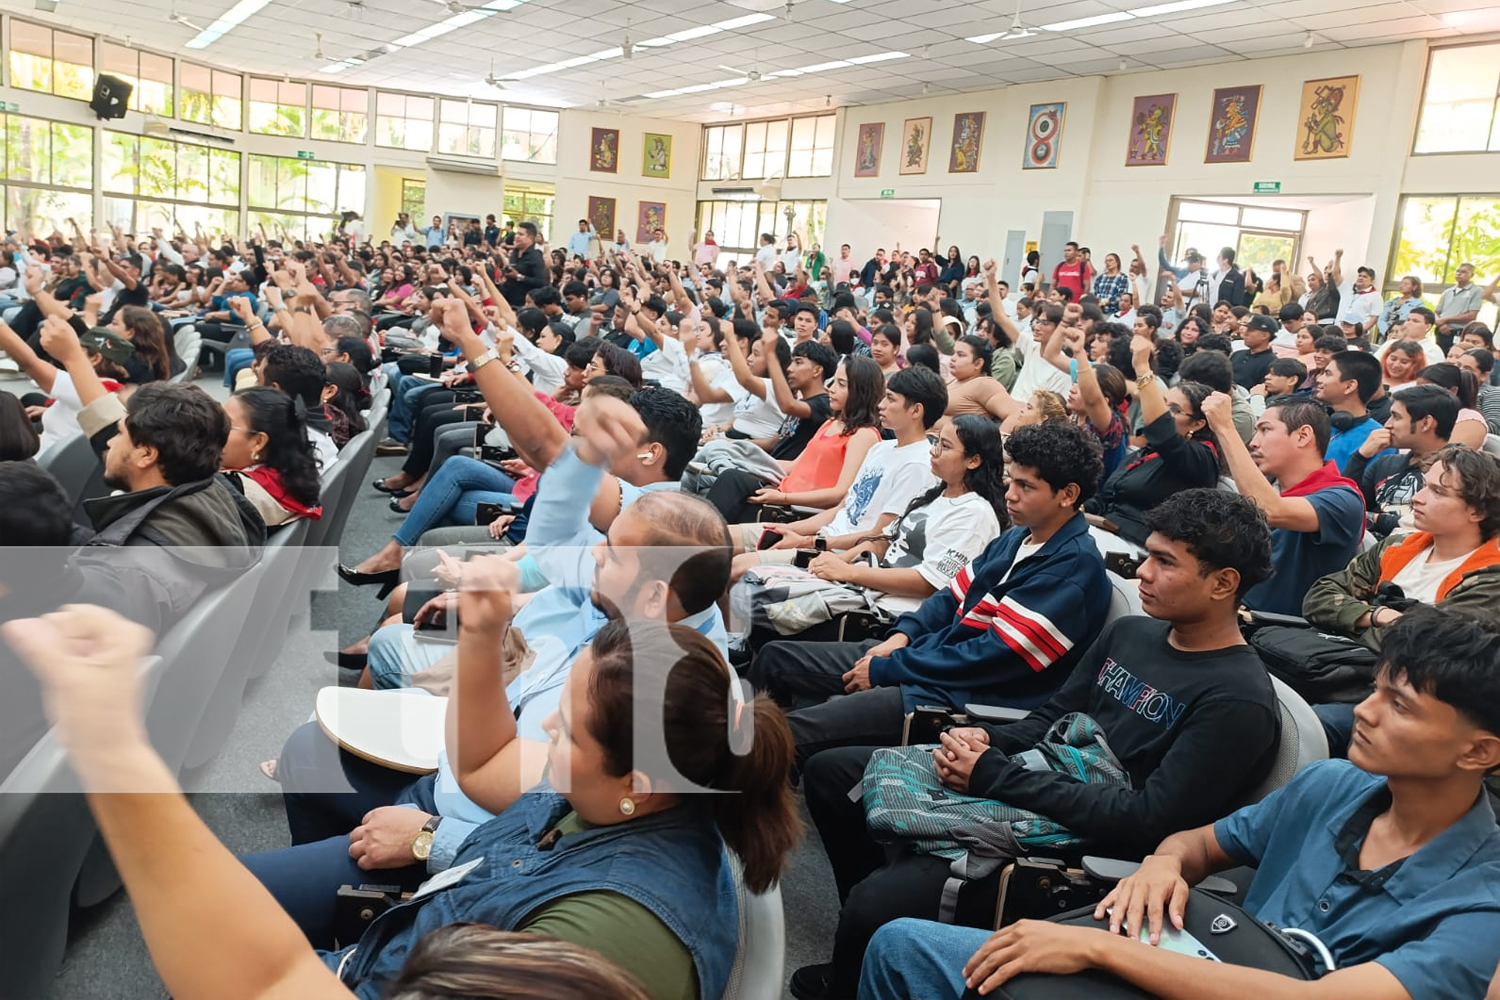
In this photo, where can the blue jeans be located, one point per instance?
(395, 653)
(1338, 725)
(236, 361)
(918, 960)
(305, 877)
(406, 405)
(451, 495)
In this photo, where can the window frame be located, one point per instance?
(92, 67)
(305, 106)
(736, 169)
(214, 96)
(470, 130)
(406, 98)
(256, 212)
(1416, 128)
(134, 77)
(313, 111)
(530, 133)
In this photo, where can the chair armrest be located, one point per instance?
(1115, 870)
(806, 511)
(995, 713)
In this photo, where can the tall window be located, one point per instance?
(737, 225)
(765, 149)
(302, 197)
(812, 147)
(723, 146)
(414, 200)
(1258, 235)
(529, 135)
(1437, 234)
(48, 174)
(527, 203)
(1459, 101)
(403, 121)
(466, 128)
(278, 107)
(152, 183)
(149, 75)
(211, 97)
(340, 114)
(51, 61)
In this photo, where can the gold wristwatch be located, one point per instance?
(482, 360)
(421, 844)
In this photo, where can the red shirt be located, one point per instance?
(927, 274)
(1072, 276)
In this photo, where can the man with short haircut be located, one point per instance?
(1316, 514)
(874, 270)
(1390, 858)
(1418, 329)
(1194, 748)
(579, 242)
(1365, 301)
(1290, 320)
(894, 472)
(1345, 386)
(527, 269)
(1007, 631)
(1072, 273)
(1450, 557)
(1458, 306)
(492, 232)
(1251, 364)
(1422, 418)
(435, 234)
(1283, 379)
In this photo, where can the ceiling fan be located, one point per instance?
(1016, 29)
(492, 79)
(182, 19)
(319, 55)
(457, 7)
(753, 75)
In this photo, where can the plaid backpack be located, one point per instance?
(906, 804)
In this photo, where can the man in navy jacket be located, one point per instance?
(1006, 632)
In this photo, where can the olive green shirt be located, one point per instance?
(622, 930)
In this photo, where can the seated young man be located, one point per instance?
(1421, 420)
(1390, 858)
(893, 472)
(1007, 631)
(1185, 703)
(1316, 515)
(1346, 386)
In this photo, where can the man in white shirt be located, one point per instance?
(1365, 300)
(1419, 328)
(657, 248)
(893, 473)
(1035, 372)
(791, 257)
(404, 232)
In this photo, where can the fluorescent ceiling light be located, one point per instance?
(339, 67)
(231, 17)
(1089, 22)
(699, 88)
(1180, 5)
(744, 22)
(877, 57)
(985, 39)
(685, 35)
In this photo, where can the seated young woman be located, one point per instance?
(824, 472)
(1471, 427)
(972, 389)
(939, 533)
(1181, 453)
(648, 880)
(344, 398)
(1097, 399)
(269, 458)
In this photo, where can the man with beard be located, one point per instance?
(666, 557)
(527, 268)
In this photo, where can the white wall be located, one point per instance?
(867, 225)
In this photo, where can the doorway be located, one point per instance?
(1258, 235)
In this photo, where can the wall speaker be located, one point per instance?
(111, 96)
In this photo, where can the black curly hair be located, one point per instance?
(1061, 453)
(1223, 530)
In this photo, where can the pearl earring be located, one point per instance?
(627, 807)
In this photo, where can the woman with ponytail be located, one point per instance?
(344, 398)
(268, 455)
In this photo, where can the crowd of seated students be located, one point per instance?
(963, 462)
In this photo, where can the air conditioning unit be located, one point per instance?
(197, 136)
(157, 128)
(737, 193)
(457, 166)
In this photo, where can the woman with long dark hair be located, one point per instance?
(18, 437)
(1470, 428)
(152, 360)
(269, 457)
(951, 273)
(343, 393)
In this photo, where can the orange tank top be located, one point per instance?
(820, 463)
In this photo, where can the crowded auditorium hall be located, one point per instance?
(749, 499)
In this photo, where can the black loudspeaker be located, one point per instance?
(111, 95)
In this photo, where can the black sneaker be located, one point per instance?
(813, 982)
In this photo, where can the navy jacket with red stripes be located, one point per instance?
(1003, 635)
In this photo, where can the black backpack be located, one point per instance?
(1229, 932)
(1320, 667)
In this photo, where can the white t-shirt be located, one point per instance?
(719, 375)
(668, 365)
(60, 420)
(1026, 551)
(1420, 578)
(889, 478)
(1366, 303)
(1035, 372)
(758, 417)
(937, 541)
(767, 256)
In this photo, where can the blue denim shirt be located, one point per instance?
(1432, 919)
(673, 863)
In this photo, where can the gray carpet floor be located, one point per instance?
(107, 959)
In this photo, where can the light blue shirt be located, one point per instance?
(578, 244)
(559, 621)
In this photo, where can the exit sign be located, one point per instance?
(887, 192)
(10, 106)
(306, 154)
(1267, 187)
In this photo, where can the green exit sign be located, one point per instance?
(10, 106)
(1267, 187)
(306, 154)
(887, 192)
